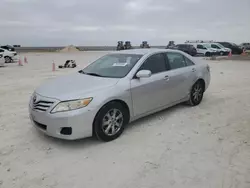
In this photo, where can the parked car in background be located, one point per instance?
(9, 48)
(116, 89)
(235, 49)
(16, 46)
(187, 48)
(219, 48)
(245, 46)
(203, 50)
(9, 56)
(2, 60)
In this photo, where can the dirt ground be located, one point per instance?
(207, 146)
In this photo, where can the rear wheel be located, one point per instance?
(221, 53)
(110, 121)
(196, 94)
(207, 54)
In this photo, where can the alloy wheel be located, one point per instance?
(197, 93)
(112, 122)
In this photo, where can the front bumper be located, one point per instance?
(80, 121)
(15, 58)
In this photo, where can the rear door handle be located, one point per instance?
(193, 69)
(166, 78)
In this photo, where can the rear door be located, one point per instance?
(182, 75)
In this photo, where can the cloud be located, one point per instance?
(192, 1)
(8, 23)
(146, 6)
(85, 22)
(85, 28)
(19, 1)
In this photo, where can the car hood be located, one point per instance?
(74, 86)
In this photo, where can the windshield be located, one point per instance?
(112, 65)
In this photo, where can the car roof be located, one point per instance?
(143, 51)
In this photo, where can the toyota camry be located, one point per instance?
(116, 89)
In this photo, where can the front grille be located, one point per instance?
(42, 105)
(41, 126)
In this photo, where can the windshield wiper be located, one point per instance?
(93, 74)
(90, 73)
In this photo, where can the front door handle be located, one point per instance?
(166, 78)
(193, 69)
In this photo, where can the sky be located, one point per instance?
(104, 22)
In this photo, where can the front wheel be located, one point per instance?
(110, 121)
(196, 94)
(7, 59)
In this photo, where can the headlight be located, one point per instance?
(71, 105)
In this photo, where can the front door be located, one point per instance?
(150, 93)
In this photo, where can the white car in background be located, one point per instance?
(9, 56)
(219, 48)
(202, 49)
(2, 61)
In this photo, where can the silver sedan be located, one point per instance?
(117, 89)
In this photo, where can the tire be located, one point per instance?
(196, 94)
(7, 59)
(207, 54)
(110, 121)
(221, 53)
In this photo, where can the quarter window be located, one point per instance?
(1, 50)
(155, 63)
(176, 60)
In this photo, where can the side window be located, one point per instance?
(214, 46)
(225, 44)
(175, 60)
(199, 46)
(188, 61)
(155, 63)
(1, 50)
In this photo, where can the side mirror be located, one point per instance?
(143, 74)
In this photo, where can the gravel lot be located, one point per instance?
(207, 146)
